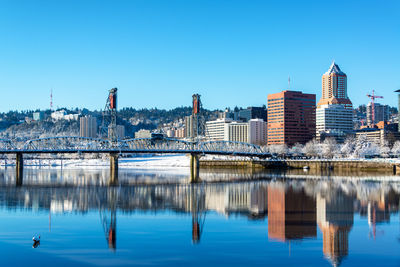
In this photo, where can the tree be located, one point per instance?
(329, 148)
(312, 149)
(396, 148)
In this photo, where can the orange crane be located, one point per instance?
(373, 97)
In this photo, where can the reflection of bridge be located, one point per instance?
(71, 144)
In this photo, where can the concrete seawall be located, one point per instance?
(313, 165)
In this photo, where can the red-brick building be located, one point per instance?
(291, 118)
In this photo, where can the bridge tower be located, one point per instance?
(195, 122)
(109, 124)
(109, 129)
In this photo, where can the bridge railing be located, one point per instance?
(7, 144)
(140, 145)
(67, 143)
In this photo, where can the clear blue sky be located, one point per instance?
(158, 53)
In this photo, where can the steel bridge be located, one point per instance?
(75, 144)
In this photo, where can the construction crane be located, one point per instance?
(373, 97)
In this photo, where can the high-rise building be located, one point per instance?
(88, 127)
(253, 113)
(381, 113)
(291, 118)
(398, 108)
(334, 88)
(333, 121)
(334, 110)
(257, 132)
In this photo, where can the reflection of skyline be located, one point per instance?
(295, 208)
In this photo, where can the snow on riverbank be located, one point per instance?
(141, 162)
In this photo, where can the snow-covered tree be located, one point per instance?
(278, 149)
(312, 149)
(329, 148)
(396, 148)
(296, 150)
(384, 149)
(347, 148)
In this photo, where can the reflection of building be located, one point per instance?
(291, 118)
(335, 219)
(291, 214)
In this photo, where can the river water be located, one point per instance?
(157, 218)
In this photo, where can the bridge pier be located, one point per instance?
(113, 169)
(19, 168)
(194, 168)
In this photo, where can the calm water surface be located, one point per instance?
(273, 220)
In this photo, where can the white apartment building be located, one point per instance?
(333, 120)
(217, 130)
(254, 131)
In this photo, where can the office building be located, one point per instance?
(88, 126)
(333, 121)
(257, 132)
(237, 132)
(381, 113)
(253, 113)
(291, 118)
(334, 88)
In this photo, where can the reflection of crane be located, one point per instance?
(373, 97)
(198, 209)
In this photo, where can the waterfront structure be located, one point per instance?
(334, 88)
(334, 121)
(142, 133)
(88, 126)
(38, 116)
(253, 113)
(381, 113)
(291, 118)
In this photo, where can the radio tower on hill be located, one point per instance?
(51, 99)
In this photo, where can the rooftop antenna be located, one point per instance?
(289, 82)
(51, 99)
